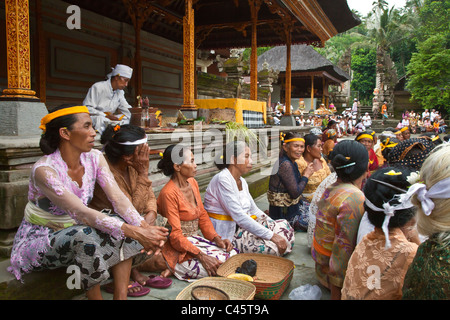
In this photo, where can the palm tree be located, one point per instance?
(384, 29)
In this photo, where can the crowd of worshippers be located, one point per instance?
(427, 122)
(377, 219)
(375, 209)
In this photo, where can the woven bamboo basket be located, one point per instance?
(235, 289)
(273, 274)
(208, 293)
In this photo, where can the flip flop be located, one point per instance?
(158, 282)
(140, 293)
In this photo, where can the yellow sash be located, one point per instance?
(35, 215)
(225, 217)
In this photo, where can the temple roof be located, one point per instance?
(303, 59)
(227, 23)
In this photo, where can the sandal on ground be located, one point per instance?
(140, 293)
(158, 282)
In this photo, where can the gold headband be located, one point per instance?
(387, 144)
(365, 135)
(294, 139)
(404, 129)
(63, 112)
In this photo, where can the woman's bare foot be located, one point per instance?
(138, 277)
(94, 293)
(130, 289)
(166, 273)
(154, 264)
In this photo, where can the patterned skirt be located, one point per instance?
(193, 269)
(297, 215)
(247, 242)
(86, 250)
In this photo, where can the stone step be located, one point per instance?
(41, 285)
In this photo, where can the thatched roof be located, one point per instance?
(303, 59)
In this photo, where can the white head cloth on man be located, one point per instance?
(121, 70)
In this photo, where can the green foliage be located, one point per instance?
(239, 132)
(429, 73)
(364, 68)
(248, 52)
(434, 17)
(335, 48)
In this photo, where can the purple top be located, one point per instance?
(52, 190)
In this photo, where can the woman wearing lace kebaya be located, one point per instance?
(286, 185)
(233, 211)
(60, 230)
(127, 153)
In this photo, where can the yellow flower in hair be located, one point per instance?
(392, 173)
(116, 128)
(282, 135)
(161, 155)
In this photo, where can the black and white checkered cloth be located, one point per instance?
(253, 119)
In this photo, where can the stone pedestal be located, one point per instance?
(17, 156)
(21, 118)
(190, 113)
(288, 121)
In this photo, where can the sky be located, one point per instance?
(365, 6)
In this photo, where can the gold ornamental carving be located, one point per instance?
(288, 27)
(255, 5)
(18, 50)
(189, 57)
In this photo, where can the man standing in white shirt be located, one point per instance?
(355, 106)
(432, 115)
(106, 101)
(425, 114)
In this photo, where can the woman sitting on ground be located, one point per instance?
(428, 275)
(234, 213)
(328, 145)
(367, 138)
(395, 235)
(331, 125)
(127, 153)
(406, 132)
(313, 155)
(60, 230)
(188, 255)
(387, 142)
(339, 212)
(321, 173)
(286, 184)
